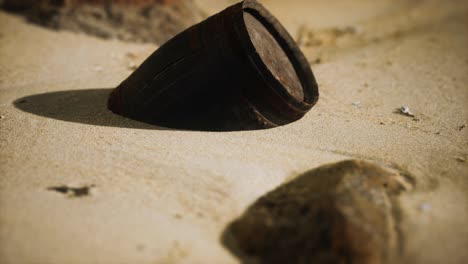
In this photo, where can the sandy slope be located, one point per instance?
(165, 196)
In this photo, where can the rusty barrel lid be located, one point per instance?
(239, 69)
(290, 83)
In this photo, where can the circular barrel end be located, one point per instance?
(291, 89)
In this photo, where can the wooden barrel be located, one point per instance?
(237, 70)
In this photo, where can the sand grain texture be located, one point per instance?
(166, 196)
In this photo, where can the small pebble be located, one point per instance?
(178, 216)
(406, 111)
(460, 128)
(425, 207)
(140, 247)
(85, 190)
(132, 66)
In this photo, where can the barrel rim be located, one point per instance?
(287, 43)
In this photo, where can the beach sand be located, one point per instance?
(166, 196)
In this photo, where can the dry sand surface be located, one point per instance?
(166, 196)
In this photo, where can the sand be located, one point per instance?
(165, 196)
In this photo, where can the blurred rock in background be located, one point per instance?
(153, 21)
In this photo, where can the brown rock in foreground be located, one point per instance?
(340, 213)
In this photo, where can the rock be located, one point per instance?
(339, 213)
(130, 20)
